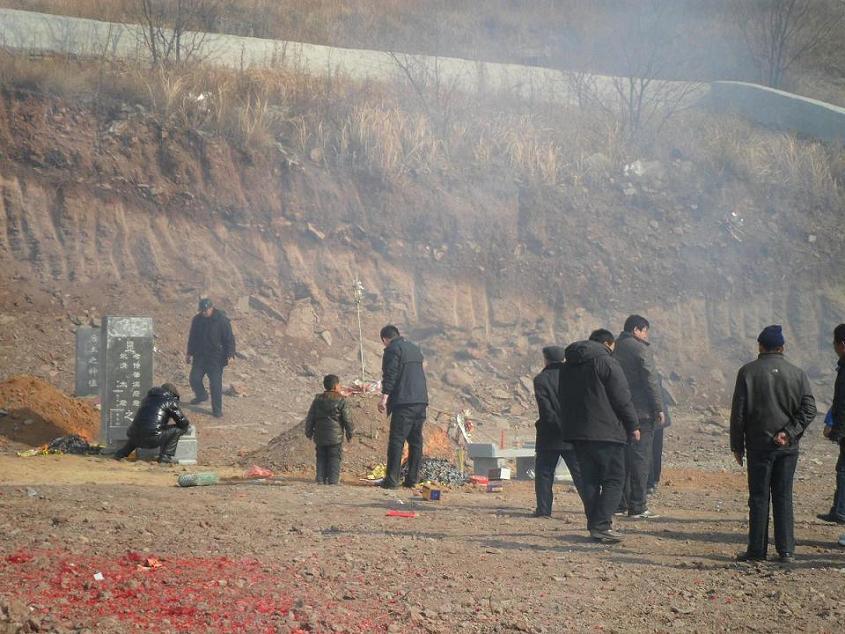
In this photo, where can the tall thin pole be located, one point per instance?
(358, 294)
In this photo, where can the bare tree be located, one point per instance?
(176, 31)
(642, 96)
(435, 88)
(782, 33)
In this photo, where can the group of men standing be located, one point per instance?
(601, 407)
(600, 404)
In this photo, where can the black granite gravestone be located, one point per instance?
(126, 374)
(87, 361)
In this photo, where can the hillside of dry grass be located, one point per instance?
(695, 40)
(485, 225)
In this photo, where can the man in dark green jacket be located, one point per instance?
(633, 352)
(327, 422)
(772, 406)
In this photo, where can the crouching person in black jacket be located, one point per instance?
(598, 417)
(150, 428)
(328, 420)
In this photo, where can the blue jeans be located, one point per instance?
(838, 508)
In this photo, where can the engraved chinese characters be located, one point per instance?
(87, 361)
(126, 373)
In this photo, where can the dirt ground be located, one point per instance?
(301, 557)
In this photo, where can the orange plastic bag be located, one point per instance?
(257, 472)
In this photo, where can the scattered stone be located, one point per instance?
(265, 307)
(457, 378)
(315, 233)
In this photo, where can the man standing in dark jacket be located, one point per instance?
(772, 406)
(211, 345)
(550, 446)
(657, 443)
(836, 433)
(150, 429)
(405, 399)
(634, 355)
(598, 417)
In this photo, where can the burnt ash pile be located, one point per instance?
(439, 471)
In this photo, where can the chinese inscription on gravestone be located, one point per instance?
(87, 361)
(126, 345)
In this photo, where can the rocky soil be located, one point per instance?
(303, 557)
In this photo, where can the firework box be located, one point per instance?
(430, 492)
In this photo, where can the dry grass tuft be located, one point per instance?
(389, 132)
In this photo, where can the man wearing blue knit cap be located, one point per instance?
(772, 406)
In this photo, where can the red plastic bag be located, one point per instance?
(395, 513)
(257, 472)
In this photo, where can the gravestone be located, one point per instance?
(126, 373)
(186, 450)
(87, 361)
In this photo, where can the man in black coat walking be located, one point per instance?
(211, 345)
(550, 446)
(598, 417)
(772, 406)
(150, 428)
(633, 352)
(405, 399)
(836, 432)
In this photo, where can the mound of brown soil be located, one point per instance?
(38, 413)
(292, 451)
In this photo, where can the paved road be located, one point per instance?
(25, 30)
(44, 32)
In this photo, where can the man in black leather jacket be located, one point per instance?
(150, 429)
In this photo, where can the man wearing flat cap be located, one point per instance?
(211, 345)
(550, 446)
(772, 406)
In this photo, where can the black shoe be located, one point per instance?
(606, 537)
(409, 485)
(165, 459)
(786, 558)
(217, 414)
(748, 556)
(197, 400)
(830, 517)
(539, 514)
(388, 485)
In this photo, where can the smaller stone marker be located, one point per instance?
(186, 450)
(87, 361)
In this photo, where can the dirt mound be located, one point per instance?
(292, 451)
(38, 413)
